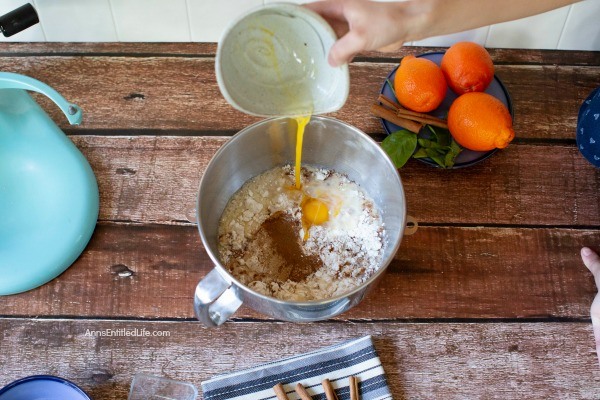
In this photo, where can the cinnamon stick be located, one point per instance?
(390, 115)
(353, 388)
(280, 392)
(386, 101)
(302, 392)
(412, 115)
(428, 120)
(329, 391)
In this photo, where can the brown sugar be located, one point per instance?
(282, 231)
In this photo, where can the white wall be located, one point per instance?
(574, 27)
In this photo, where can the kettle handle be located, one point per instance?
(9, 80)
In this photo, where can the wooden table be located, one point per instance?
(489, 299)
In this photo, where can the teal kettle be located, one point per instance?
(49, 198)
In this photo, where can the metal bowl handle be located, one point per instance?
(215, 299)
(412, 225)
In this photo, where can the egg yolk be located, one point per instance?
(315, 212)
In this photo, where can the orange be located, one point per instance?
(467, 67)
(419, 84)
(479, 121)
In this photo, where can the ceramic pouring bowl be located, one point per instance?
(272, 61)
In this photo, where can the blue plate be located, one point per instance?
(42, 387)
(588, 128)
(466, 157)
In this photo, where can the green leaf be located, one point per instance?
(433, 132)
(426, 143)
(455, 148)
(440, 135)
(449, 160)
(443, 136)
(421, 153)
(400, 145)
(440, 147)
(437, 158)
(453, 151)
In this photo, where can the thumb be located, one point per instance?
(345, 48)
(592, 262)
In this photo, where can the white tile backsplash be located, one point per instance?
(151, 20)
(572, 27)
(582, 29)
(537, 32)
(289, 1)
(76, 20)
(208, 18)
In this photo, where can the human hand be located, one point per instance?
(592, 262)
(365, 25)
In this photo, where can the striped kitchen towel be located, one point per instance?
(336, 363)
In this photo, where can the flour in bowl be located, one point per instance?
(304, 244)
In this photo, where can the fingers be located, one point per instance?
(595, 317)
(361, 25)
(345, 48)
(333, 13)
(327, 9)
(591, 260)
(339, 27)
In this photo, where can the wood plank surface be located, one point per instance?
(155, 179)
(111, 49)
(422, 361)
(488, 299)
(141, 49)
(439, 272)
(180, 93)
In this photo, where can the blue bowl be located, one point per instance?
(42, 387)
(588, 128)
